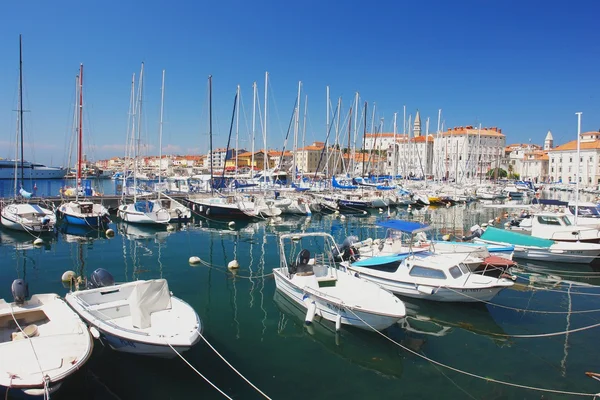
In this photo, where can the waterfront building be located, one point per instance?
(563, 161)
(466, 152)
(316, 158)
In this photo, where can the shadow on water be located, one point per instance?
(357, 346)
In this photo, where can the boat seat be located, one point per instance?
(110, 304)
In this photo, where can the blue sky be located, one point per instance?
(523, 66)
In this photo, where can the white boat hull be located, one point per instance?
(332, 310)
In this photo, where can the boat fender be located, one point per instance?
(38, 242)
(311, 310)
(233, 264)
(110, 233)
(338, 322)
(95, 333)
(171, 228)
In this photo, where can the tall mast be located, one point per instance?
(237, 128)
(426, 147)
(21, 103)
(212, 190)
(353, 157)
(254, 95)
(577, 170)
(327, 138)
(364, 140)
(394, 155)
(265, 153)
(304, 129)
(160, 128)
(296, 130)
(80, 135)
(139, 131)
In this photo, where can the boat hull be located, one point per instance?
(330, 310)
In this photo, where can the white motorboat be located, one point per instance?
(314, 283)
(533, 248)
(558, 227)
(439, 277)
(28, 217)
(144, 212)
(42, 342)
(140, 317)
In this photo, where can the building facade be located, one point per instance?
(563, 162)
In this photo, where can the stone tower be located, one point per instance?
(417, 125)
(549, 141)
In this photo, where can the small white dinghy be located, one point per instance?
(42, 342)
(140, 317)
(316, 284)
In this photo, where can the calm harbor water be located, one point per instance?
(263, 334)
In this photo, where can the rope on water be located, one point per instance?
(519, 309)
(487, 379)
(222, 269)
(198, 372)
(232, 367)
(554, 290)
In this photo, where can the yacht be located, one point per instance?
(30, 170)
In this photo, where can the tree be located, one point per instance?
(501, 173)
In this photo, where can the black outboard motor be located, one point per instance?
(20, 291)
(100, 278)
(476, 232)
(302, 266)
(347, 249)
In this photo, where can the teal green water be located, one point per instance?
(263, 334)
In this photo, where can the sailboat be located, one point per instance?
(20, 215)
(82, 212)
(141, 211)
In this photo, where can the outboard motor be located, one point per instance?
(476, 232)
(347, 249)
(20, 291)
(100, 278)
(302, 263)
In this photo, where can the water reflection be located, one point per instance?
(357, 346)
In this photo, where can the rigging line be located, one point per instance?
(552, 290)
(232, 367)
(196, 371)
(473, 375)
(520, 309)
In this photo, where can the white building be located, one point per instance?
(466, 152)
(563, 161)
(414, 157)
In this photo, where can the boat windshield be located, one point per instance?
(455, 272)
(464, 268)
(566, 220)
(586, 211)
(548, 220)
(426, 272)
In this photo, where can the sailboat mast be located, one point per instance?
(21, 104)
(577, 170)
(296, 131)
(364, 140)
(254, 95)
(212, 190)
(160, 129)
(80, 135)
(237, 128)
(265, 133)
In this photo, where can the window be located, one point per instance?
(552, 169)
(559, 169)
(570, 159)
(548, 220)
(569, 169)
(425, 272)
(455, 272)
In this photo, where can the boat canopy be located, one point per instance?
(514, 238)
(404, 226)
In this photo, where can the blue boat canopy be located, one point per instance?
(404, 226)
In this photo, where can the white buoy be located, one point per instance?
(231, 223)
(364, 212)
(68, 276)
(380, 210)
(342, 217)
(38, 242)
(95, 333)
(170, 228)
(194, 260)
(336, 212)
(110, 233)
(233, 264)
(311, 310)
(338, 322)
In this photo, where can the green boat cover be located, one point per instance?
(517, 239)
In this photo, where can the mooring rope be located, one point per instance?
(198, 372)
(232, 367)
(519, 309)
(487, 379)
(222, 269)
